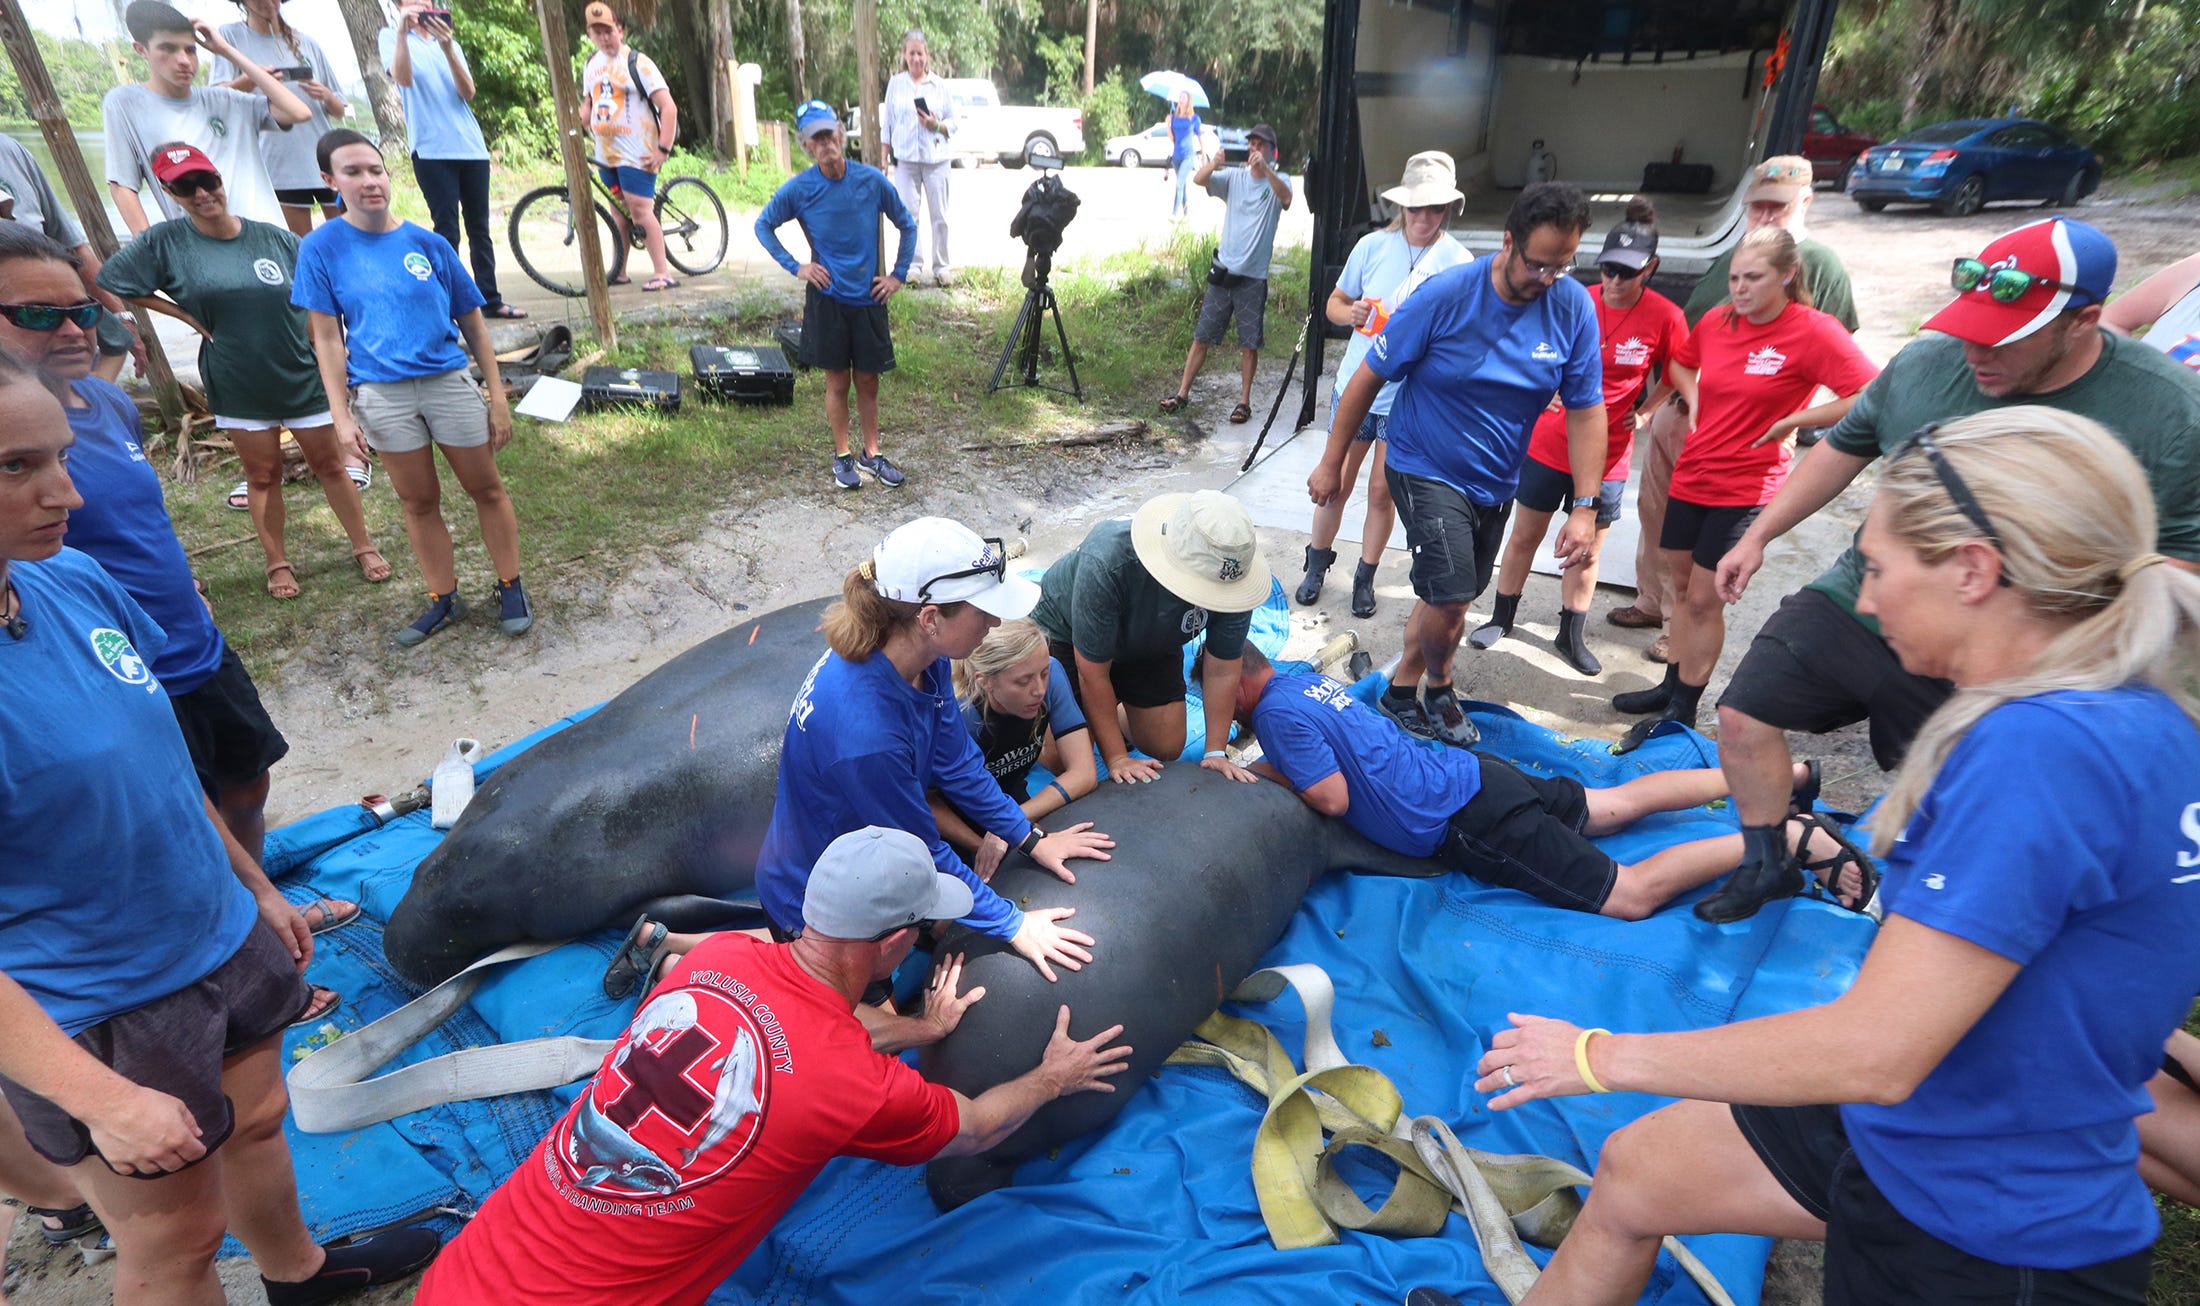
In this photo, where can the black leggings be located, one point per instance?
(452, 187)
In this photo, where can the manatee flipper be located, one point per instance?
(692, 913)
(960, 1179)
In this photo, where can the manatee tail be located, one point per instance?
(1348, 851)
(963, 1178)
(690, 913)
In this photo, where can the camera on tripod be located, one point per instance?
(1048, 207)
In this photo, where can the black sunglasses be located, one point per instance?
(1958, 493)
(191, 183)
(49, 317)
(886, 934)
(995, 565)
(1619, 273)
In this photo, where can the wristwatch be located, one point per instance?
(1031, 841)
(1582, 501)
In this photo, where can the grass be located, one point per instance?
(603, 489)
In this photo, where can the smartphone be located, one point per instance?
(922, 107)
(442, 16)
(300, 73)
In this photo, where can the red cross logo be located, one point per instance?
(657, 1081)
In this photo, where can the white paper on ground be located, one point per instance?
(550, 399)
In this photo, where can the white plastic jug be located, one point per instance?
(452, 786)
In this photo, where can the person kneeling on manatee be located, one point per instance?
(1479, 815)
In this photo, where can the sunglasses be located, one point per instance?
(1427, 208)
(1618, 273)
(884, 935)
(995, 565)
(2006, 285)
(1958, 493)
(191, 183)
(49, 317)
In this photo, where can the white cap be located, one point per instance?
(935, 560)
(873, 880)
(1200, 547)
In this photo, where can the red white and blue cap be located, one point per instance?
(2077, 258)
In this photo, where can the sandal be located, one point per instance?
(240, 499)
(1825, 873)
(1660, 650)
(1241, 414)
(660, 283)
(636, 957)
(1175, 403)
(363, 477)
(277, 589)
(78, 1221)
(325, 1000)
(503, 310)
(375, 572)
(325, 914)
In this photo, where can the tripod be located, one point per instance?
(1026, 340)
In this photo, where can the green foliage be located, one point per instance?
(1064, 61)
(503, 45)
(1110, 111)
(81, 72)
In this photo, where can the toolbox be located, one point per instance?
(789, 335)
(745, 373)
(629, 387)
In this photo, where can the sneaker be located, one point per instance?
(513, 614)
(1408, 713)
(355, 1263)
(443, 609)
(1449, 719)
(844, 472)
(882, 470)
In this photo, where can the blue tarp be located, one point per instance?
(1158, 1207)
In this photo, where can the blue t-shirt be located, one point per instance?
(1477, 371)
(438, 122)
(114, 889)
(397, 292)
(124, 526)
(1011, 744)
(840, 220)
(862, 746)
(2064, 834)
(1403, 791)
(1182, 132)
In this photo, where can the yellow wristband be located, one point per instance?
(1581, 1060)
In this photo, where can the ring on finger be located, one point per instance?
(1507, 1072)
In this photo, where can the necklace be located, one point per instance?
(1613, 330)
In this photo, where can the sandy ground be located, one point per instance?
(354, 730)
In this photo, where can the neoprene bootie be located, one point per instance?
(1500, 623)
(1768, 871)
(1573, 643)
(1363, 590)
(1682, 700)
(1636, 702)
(1317, 569)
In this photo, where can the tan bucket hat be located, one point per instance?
(1200, 546)
(1431, 178)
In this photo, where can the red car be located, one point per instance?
(1832, 148)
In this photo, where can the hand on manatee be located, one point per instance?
(1127, 770)
(991, 849)
(1075, 1067)
(943, 1006)
(1042, 939)
(1080, 840)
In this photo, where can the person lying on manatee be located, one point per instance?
(1479, 815)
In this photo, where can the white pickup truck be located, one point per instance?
(987, 129)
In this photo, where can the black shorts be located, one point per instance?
(1876, 1257)
(1814, 667)
(231, 739)
(1547, 489)
(176, 1045)
(1706, 533)
(837, 336)
(1139, 682)
(114, 338)
(1524, 832)
(305, 197)
(1453, 538)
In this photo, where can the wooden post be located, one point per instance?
(565, 100)
(90, 200)
(1092, 39)
(719, 55)
(869, 89)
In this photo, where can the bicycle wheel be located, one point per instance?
(547, 246)
(694, 223)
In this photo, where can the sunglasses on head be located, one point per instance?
(191, 183)
(1958, 493)
(883, 935)
(2006, 285)
(49, 317)
(995, 565)
(1618, 272)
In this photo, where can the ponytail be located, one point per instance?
(864, 619)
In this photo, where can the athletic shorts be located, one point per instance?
(1876, 1257)
(1247, 301)
(1547, 489)
(1524, 832)
(630, 181)
(231, 739)
(1454, 539)
(1707, 534)
(1373, 427)
(304, 422)
(113, 334)
(406, 416)
(305, 197)
(1139, 682)
(176, 1045)
(1814, 667)
(838, 337)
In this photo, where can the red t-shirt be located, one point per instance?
(1749, 377)
(1635, 340)
(738, 1080)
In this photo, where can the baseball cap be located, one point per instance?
(935, 560)
(176, 160)
(814, 116)
(598, 14)
(873, 880)
(1781, 179)
(1200, 546)
(1630, 245)
(2074, 265)
(1262, 131)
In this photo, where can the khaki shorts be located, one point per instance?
(404, 416)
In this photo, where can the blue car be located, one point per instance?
(1960, 166)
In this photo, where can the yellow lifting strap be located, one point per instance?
(1304, 1201)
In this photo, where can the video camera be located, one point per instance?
(1047, 208)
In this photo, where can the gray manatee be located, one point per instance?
(1207, 872)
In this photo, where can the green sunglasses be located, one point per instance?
(2006, 285)
(49, 317)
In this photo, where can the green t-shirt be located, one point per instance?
(1102, 600)
(259, 364)
(2148, 400)
(1822, 272)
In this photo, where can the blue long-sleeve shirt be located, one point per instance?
(840, 220)
(862, 746)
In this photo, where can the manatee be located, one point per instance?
(1207, 872)
(659, 800)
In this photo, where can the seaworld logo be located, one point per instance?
(800, 715)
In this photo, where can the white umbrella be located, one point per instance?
(1167, 85)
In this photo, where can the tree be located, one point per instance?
(363, 19)
(797, 61)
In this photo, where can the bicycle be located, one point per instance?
(547, 245)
